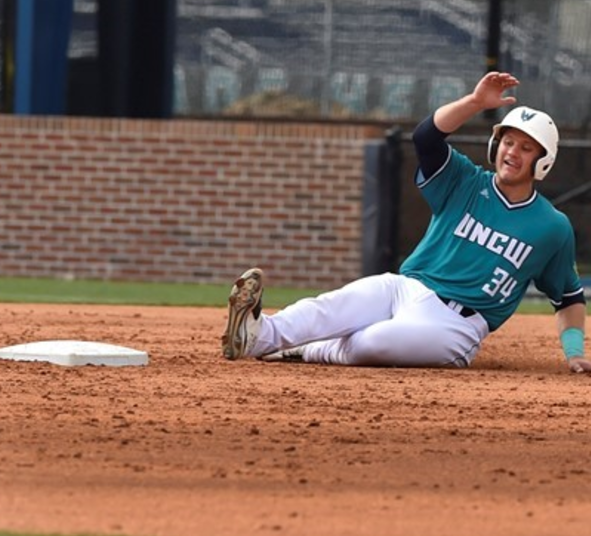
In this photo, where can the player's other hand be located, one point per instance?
(578, 364)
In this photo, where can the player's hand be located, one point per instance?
(578, 364)
(489, 91)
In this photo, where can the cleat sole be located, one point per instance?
(244, 296)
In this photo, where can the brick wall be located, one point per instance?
(181, 201)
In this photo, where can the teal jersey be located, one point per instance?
(483, 251)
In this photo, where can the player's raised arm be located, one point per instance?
(487, 94)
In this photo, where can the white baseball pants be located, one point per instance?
(384, 320)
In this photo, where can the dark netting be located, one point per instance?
(366, 59)
(380, 59)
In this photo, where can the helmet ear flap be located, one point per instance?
(493, 148)
(493, 143)
(542, 165)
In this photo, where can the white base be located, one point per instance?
(75, 353)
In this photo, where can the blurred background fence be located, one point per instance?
(376, 62)
(380, 58)
(385, 59)
(362, 59)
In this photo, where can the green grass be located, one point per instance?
(26, 290)
(29, 290)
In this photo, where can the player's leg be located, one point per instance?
(330, 315)
(424, 334)
(338, 313)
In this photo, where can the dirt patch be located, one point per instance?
(194, 444)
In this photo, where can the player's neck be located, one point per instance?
(515, 192)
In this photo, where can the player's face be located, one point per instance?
(515, 158)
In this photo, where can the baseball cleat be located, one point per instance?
(244, 315)
(292, 355)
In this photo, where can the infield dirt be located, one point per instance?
(193, 444)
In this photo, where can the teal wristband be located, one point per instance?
(572, 340)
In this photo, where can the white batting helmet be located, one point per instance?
(536, 124)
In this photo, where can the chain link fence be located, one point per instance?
(375, 59)
(366, 59)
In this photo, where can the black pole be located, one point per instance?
(7, 66)
(115, 22)
(152, 49)
(136, 56)
(387, 246)
(493, 44)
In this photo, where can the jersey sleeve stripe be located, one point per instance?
(569, 298)
(421, 181)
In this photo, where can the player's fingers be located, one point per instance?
(580, 365)
(507, 101)
(507, 77)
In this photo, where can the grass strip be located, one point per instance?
(33, 290)
(29, 290)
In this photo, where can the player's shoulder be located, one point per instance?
(551, 214)
(466, 168)
(545, 204)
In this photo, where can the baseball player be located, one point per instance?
(490, 235)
